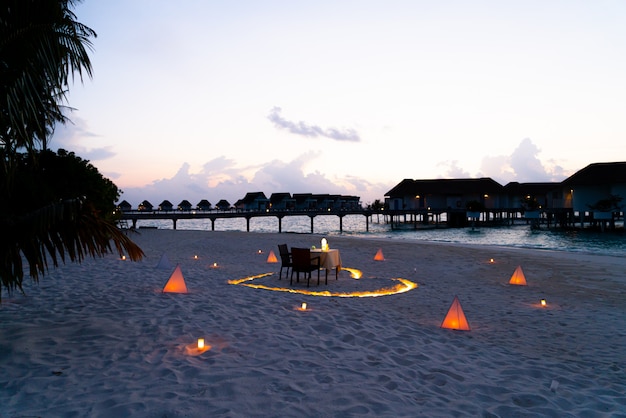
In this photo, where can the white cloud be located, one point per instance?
(523, 165)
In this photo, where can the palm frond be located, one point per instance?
(64, 231)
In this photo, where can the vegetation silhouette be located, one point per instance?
(53, 207)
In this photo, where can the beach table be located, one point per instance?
(329, 260)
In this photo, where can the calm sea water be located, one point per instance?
(608, 243)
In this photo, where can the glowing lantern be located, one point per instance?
(379, 255)
(214, 265)
(123, 258)
(197, 348)
(491, 260)
(304, 306)
(195, 257)
(260, 252)
(543, 303)
(176, 282)
(518, 277)
(271, 258)
(455, 319)
(324, 244)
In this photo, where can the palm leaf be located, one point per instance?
(62, 231)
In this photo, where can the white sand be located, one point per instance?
(101, 340)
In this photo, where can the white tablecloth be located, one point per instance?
(329, 259)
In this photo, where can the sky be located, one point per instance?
(202, 99)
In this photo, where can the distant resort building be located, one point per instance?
(145, 206)
(166, 206)
(282, 201)
(593, 195)
(124, 206)
(184, 205)
(223, 205)
(204, 205)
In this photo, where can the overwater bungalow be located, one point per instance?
(282, 201)
(166, 206)
(204, 205)
(597, 192)
(184, 205)
(124, 206)
(145, 206)
(253, 201)
(223, 205)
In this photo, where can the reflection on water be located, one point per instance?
(610, 243)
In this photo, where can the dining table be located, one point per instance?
(329, 260)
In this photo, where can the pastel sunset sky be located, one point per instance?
(197, 99)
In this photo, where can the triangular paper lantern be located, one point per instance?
(164, 263)
(455, 319)
(518, 277)
(176, 282)
(271, 258)
(379, 255)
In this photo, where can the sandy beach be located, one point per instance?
(101, 339)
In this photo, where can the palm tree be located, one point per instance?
(42, 48)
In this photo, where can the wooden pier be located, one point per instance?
(214, 215)
(397, 219)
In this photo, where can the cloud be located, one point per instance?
(71, 135)
(222, 179)
(453, 170)
(312, 131)
(523, 165)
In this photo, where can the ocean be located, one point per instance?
(521, 236)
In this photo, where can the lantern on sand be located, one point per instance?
(379, 255)
(455, 318)
(271, 258)
(518, 277)
(176, 282)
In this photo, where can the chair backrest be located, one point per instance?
(283, 250)
(301, 257)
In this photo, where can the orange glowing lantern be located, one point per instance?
(543, 303)
(379, 255)
(214, 265)
(455, 319)
(260, 252)
(176, 282)
(518, 277)
(123, 258)
(271, 258)
(491, 260)
(195, 257)
(200, 343)
(304, 306)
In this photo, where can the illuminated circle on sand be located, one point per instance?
(402, 286)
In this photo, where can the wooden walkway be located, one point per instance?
(174, 216)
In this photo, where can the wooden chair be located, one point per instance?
(285, 259)
(301, 261)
